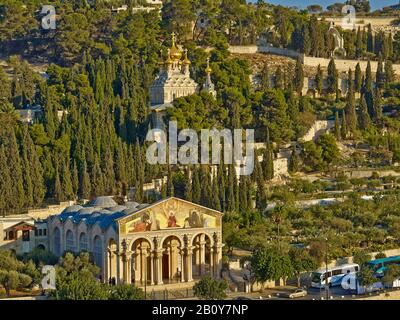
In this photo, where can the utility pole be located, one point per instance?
(326, 273)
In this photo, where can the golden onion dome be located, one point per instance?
(208, 69)
(169, 60)
(186, 61)
(174, 52)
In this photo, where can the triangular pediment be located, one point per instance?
(170, 213)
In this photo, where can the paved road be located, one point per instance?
(336, 293)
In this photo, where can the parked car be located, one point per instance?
(244, 298)
(297, 293)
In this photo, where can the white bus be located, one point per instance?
(334, 275)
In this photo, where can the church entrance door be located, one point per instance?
(165, 267)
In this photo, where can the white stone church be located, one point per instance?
(174, 81)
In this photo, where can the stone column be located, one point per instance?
(212, 271)
(120, 271)
(124, 268)
(189, 274)
(202, 254)
(169, 262)
(151, 269)
(106, 267)
(143, 266)
(217, 260)
(182, 266)
(129, 267)
(158, 260)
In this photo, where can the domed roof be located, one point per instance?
(104, 211)
(186, 61)
(143, 205)
(132, 204)
(87, 210)
(102, 202)
(208, 69)
(175, 53)
(73, 208)
(129, 211)
(117, 209)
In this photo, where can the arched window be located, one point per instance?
(98, 252)
(57, 242)
(83, 242)
(69, 241)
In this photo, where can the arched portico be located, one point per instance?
(57, 241)
(172, 260)
(202, 255)
(112, 261)
(140, 263)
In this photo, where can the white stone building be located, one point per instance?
(168, 242)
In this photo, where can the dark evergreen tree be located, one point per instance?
(268, 159)
(299, 77)
(350, 109)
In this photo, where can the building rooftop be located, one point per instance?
(101, 210)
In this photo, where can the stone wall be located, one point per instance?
(264, 49)
(50, 210)
(344, 65)
(377, 23)
(358, 174)
(320, 127)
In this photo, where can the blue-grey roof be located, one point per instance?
(103, 202)
(102, 211)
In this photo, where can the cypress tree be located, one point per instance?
(243, 205)
(279, 81)
(358, 83)
(343, 128)
(364, 119)
(75, 178)
(66, 181)
(333, 77)
(367, 90)
(26, 170)
(265, 81)
(206, 187)
(170, 185)
(370, 39)
(58, 194)
(359, 44)
(350, 109)
(5, 181)
(299, 77)
(231, 199)
(380, 75)
(216, 203)
(389, 72)
(377, 106)
(268, 159)
(222, 185)
(188, 185)
(17, 199)
(306, 41)
(337, 126)
(196, 186)
(294, 164)
(319, 80)
(84, 181)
